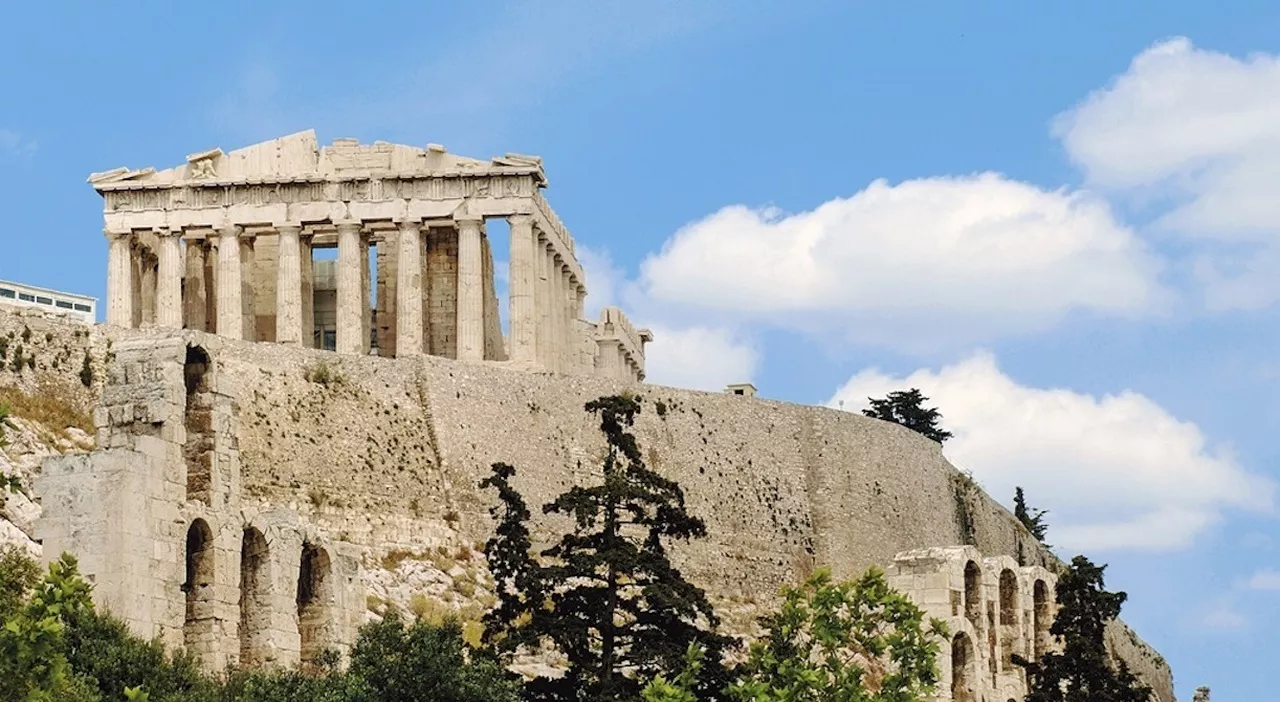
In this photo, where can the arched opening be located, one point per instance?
(198, 623)
(962, 676)
(198, 419)
(1008, 618)
(314, 599)
(255, 611)
(1040, 618)
(972, 593)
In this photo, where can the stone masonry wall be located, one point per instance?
(43, 354)
(440, 287)
(386, 454)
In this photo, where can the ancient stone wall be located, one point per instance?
(44, 355)
(386, 454)
(441, 291)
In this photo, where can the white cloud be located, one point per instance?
(1199, 132)
(924, 263)
(14, 142)
(1115, 472)
(1223, 617)
(681, 355)
(700, 358)
(1264, 580)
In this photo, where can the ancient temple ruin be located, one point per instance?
(227, 244)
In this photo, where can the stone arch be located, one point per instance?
(1040, 617)
(1008, 618)
(962, 665)
(198, 419)
(255, 603)
(315, 601)
(972, 593)
(198, 622)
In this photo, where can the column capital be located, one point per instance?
(408, 223)
(117, 235)
(294, 227)
(522, 220)
(468, 217)
(349, 225)
(228, 231)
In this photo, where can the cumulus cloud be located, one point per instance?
(700, 358)
(1115, 472)
(1264, 580)
(924, 263)
(1199, 132)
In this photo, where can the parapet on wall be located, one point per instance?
(993, 609)
(156, 519)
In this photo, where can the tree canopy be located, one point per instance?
(906, 407)
(1082, 671)
(1032, 519)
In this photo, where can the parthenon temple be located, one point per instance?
(234, 244)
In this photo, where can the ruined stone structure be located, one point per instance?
(993, 608)
(226, 244)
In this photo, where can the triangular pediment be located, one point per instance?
(299, 156)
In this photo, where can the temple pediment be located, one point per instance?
(300, 157)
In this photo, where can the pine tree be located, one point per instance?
(1082, 672)
(1033, 522)
(614, 604)
(515, 574)
(906, 407)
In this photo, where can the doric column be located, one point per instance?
(470, 289)
(520, 290)
(569, 299)
(169, 279)
(409, 289)
(542, 297)
(350, 321)
(120, 280)
(145, 261)
(308, 276)
(194, 305)
(555, 300)
(289, 285)
(230, 308)
(248, 287)
(608, 359)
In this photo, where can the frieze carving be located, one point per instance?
(196, 196)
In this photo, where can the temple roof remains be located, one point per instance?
(299, 157)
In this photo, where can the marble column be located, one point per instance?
(289, 285)
(350, 322)
(409, 289)
(366, 303)
(609, 358)
(248, 306)
(169, 279)
(308, 277)
(194, 303)
(470, 289)
(555, 300)
(147, 265)
(120, 280)
(520, 289)
(542, 297)
(569, 298)
(230, 307)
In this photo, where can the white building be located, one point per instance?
(77, 307)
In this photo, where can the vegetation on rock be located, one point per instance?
(906, 407)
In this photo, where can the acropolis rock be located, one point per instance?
(288, 445)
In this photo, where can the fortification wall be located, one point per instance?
(386, 454)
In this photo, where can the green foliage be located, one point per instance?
(19, 575)
(395, 663)
(101, 650)
(33, 663)
(515, 575)
(1082, 672)
(1033, 520)
(906, 407)
(682, 688)
(609, 600)
(856, 641)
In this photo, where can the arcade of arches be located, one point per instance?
(994, 609)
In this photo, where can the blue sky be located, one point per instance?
(1061, 222)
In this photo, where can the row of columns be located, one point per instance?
(545, 297)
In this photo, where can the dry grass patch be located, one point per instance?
(54, 413)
